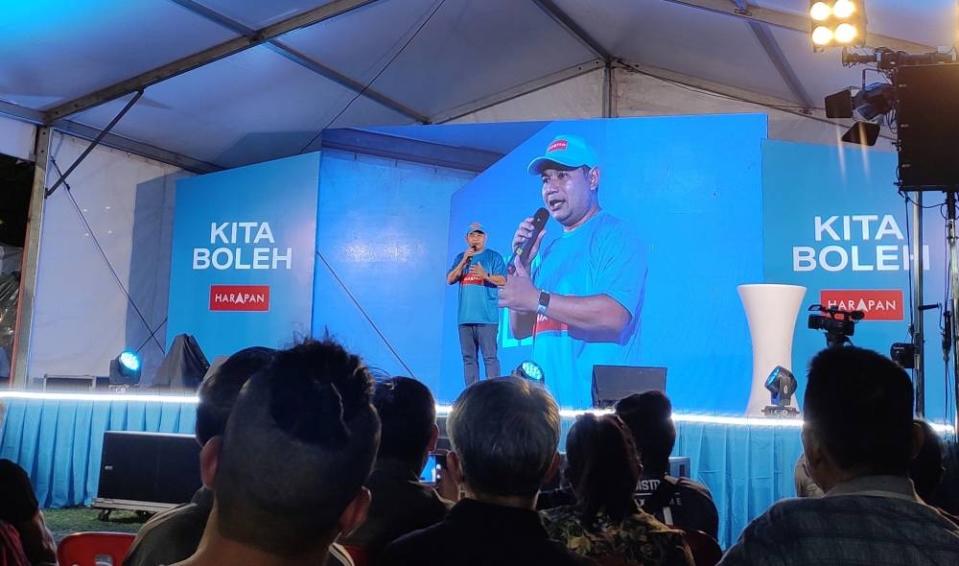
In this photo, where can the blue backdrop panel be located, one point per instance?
(60, 443)
(691, 187)
(252, 226)
(381, 244)
(834, 221)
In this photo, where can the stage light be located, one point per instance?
(846, 33)
(874, 100)
(843, 9)
(822, 36)
(531, 371)
(862, 133)
(781, 385)
(820, 11)
(125, 368)
(836, 23)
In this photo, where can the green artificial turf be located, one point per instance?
(80, 519)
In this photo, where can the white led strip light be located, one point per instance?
(441, 410)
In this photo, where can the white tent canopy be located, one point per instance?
(232, 82)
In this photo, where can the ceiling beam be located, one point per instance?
(21, 112)
(304, 60)
(517, 91)
(778, 59)
(573, 28)
(795, 22)
(215, 53)
(138, 148)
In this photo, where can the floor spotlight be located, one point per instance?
(531, 371)
(781, 385)
(125, 368)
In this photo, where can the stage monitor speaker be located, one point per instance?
(612, 383)
(147, 471)
(928, 126)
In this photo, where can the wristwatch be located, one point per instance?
(543, 303)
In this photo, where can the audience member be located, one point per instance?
(859, 439)
(805, 486)
(288, 473)
(11, 549)
(679, 502)
(926, 469)
(606, 522)
(401, 504)
(24, 529)
(173, 535)
(503, 434)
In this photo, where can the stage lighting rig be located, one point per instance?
(836, 23)
(125, 368)
(531, 371)
(781, 385)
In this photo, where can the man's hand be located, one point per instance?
(523, 233)
(478, 269)
(470, 252)
(519, 294)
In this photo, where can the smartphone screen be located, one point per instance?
(428, 475)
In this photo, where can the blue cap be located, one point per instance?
(568, 151)
(474, 227)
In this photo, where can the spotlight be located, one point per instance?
(781, 385)
(846, 33)
(820, 11)
(843, 9)
(125, 368)
(531, 371)
(836, 22)
(874, 100)
(822, 36)
(839, 105)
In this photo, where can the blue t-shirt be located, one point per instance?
(477, 297)
(601, 257)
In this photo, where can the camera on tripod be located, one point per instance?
(838, 324)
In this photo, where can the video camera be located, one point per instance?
(838, 324)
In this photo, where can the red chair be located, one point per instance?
(83, 549)
(706, 551)
(357, 553)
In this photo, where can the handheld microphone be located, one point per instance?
(522, 250)
(469, 261)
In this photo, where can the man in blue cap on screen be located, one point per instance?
(480, 272)
(580, 298)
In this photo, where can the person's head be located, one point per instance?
(602, 466)
(476, 236)
(408, 419)
(298, 447)
(218, 391)
(649, 417)
(858, 417)
(570, 180)
(503, 434)
(926, 469)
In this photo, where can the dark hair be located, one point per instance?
(298, 446)
(926, 469)
(602, 466)
(505, 432)
(407, 416)
(649, 418)
(218, 391)
(859, 406)
(18, 503)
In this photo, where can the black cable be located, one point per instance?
(373, 80)
(152, 334)
(359, 307)
(103, 254)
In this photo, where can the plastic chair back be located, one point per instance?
(84, 549)
(706, 551)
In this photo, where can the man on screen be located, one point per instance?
(580, 299)
(480, 272)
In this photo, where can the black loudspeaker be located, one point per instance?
(144, 471)
(928, 126)
(612, 383)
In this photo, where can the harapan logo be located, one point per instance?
(255, 298)
(885, 304)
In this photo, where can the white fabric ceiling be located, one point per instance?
(393, 62)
